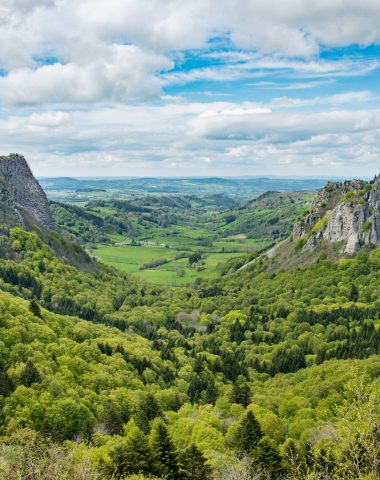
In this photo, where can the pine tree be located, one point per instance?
(210, 395)
(5, 384)
(354, 294)
(166, 463)
(132, 455)
(35, 308)
(148, 409)
(268, 457)
(195, 464)
(114, 418)
(30, 375)
(241, 394)
(248, 433)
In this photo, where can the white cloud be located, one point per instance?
(125, 73)
(85, 66)
(236, 139)
(282, 126)
(92, 42)
(337, 99)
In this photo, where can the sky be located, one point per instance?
(191, 88)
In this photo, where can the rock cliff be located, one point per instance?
(347, 212)
(21, 196)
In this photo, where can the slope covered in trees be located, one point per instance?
(249, 373)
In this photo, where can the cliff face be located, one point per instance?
(21, 194)
(347, 212)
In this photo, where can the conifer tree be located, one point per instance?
(35, 308)
(268, 457)
(354, 294)
(147, 410)
(194, 464)
(166, 462)
(30, 375)
(5, 384)
(241, 394)
(132, 455)
(248, 434)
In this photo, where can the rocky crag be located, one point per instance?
(347, 212)
(22, 199)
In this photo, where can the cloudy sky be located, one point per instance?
(200, 87)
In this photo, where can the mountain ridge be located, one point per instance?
(347, 212)
(22, 194)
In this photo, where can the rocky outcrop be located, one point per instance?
(21, 194)
(347, 212)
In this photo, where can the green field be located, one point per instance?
(176, 272)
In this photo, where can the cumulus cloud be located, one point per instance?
(125, 44)
(184, 138)
(281, 126)
(126, 73)
(85, 83)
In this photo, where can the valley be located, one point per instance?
(155, 236)
(271, 370)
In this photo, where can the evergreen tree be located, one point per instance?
(5, 384)
(194, 464)
(132, 455)
(248, 433)
(354, 294)
(30, 375)
(35, 308)
(241, 394)
(268, 457)
(210, 395)
(114, 418)
(166, 462)
(147, 410)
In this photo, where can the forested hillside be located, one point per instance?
(260, 371)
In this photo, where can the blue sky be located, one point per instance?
(208, 87)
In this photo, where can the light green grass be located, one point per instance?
(130, 259)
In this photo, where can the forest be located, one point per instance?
(263, 373)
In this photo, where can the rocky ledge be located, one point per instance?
(347, 212)
(21, 193)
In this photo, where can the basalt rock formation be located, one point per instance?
(22, 199)
(347, 212)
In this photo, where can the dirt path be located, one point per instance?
(269, 253)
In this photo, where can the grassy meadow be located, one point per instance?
(176, 271)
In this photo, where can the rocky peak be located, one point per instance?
(347, 212)
(21, 194)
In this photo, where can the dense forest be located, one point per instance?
(264, 373)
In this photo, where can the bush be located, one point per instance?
(154, 263)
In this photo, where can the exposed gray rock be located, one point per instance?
(347, 212)
(20, 191)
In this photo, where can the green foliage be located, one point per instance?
(165, 458)
(131, 455)
(268, 457)
(194, 464)
(300, 244)
(110, 348)
(349, 195)
(35, 308)
(248, 434)
(30, 375)
(367, 225)
(147, 410)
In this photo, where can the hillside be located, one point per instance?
(268, 370)
(154, 236)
